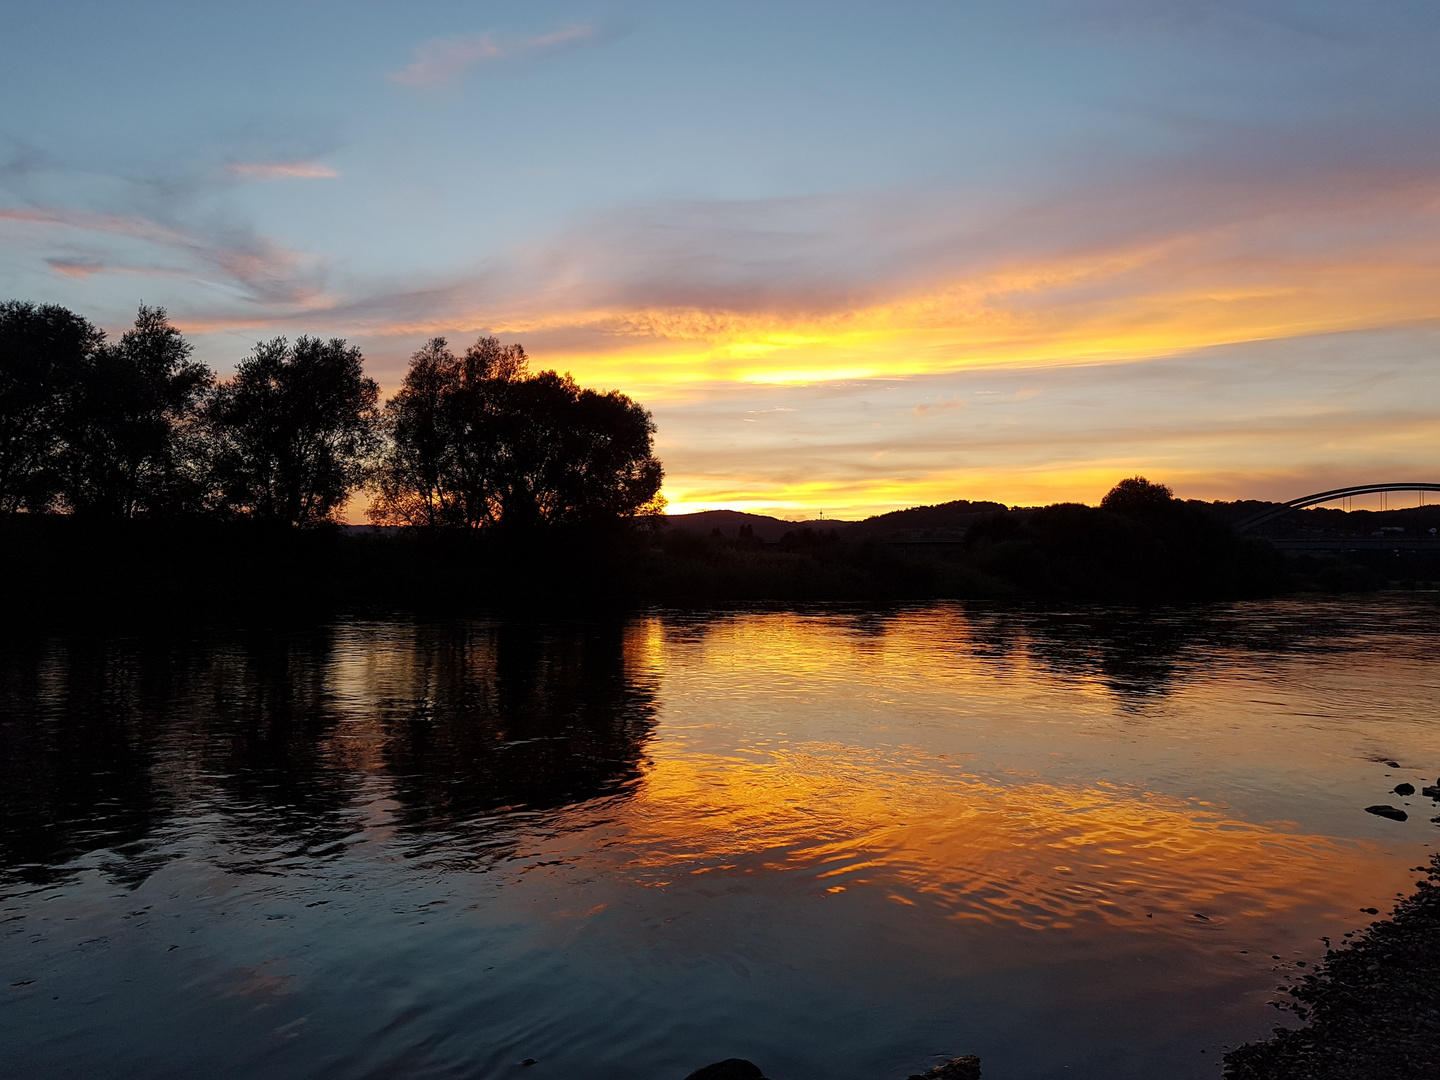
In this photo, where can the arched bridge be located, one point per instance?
(1246, 524)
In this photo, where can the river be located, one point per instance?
(845, 843)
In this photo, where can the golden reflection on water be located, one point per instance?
(899, 806)
(952, 763)
(1036, 854)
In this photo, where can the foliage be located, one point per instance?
(1164, 551)
(573, 456)
(442, 439)
(292, 431)
(475, 441)
(42, 351)
(129, 443)
(1136, 496)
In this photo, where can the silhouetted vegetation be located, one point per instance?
(42, 351)
(131, 477)
(138, 429)
(1140, 544)
(101, 429)
(290, 434)
(474, 441)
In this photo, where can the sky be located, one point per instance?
(852, 256)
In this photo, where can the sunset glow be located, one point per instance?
(832, 256)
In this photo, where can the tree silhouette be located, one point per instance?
(475, 441)
(42, 351)
(128, 427)
(1136, 495)
(416, 479)
(442, 439)
(292, 431)
(574, 456)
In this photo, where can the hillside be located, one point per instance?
(946, 521)
(730, 522)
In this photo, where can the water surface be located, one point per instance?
(843, 843)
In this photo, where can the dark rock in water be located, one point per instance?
(729, 1069)
(1404, 789)
(1387, 811)
(1393, 764)
(1431, 792)
(961, 1068)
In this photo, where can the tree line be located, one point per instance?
(137, 427)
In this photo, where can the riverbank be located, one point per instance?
(1371, 1008)
(69, 567)
(66, 570)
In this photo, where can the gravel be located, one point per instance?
(1371, 1009)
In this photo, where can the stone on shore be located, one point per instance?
(1386, 811)
(1404, 789)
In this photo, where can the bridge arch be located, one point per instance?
(1246, 524)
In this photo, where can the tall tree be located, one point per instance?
(444, 427)
(43, 349)
(572, 456)
(293, 430)
(129, 424)
(418, 481)
(475, 441)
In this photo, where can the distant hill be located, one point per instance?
(945, 521)
(730, 522)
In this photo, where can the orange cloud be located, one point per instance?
(1077, 310)
(668, 301)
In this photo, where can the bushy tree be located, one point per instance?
(1136, 495)
(292, 432)
(129, 443)
(476, 441)
(573, 456)
(442, 429)
(43, 349)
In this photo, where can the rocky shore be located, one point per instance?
(1371, 1008)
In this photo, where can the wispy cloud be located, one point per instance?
(75, 268)
(443, 60)
(281, 170)
(82, 268)
(262, 271)
(683, 295)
